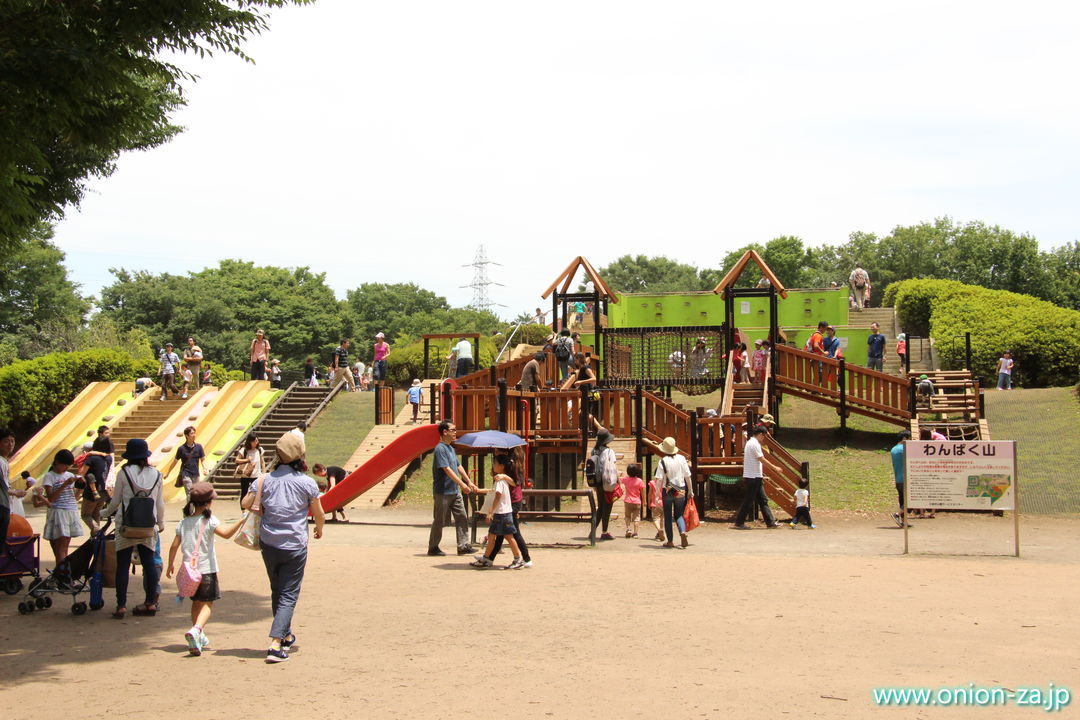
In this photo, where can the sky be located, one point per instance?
(386, 142)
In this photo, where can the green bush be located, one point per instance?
(1044, 338)
(33, 391)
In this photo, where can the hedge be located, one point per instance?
(33, 391)
(407, 363)
(1044, 338)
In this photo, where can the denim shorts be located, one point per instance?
(502, 524)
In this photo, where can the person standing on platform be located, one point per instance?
(449, 480)
(260, 355)
(464, 352)
(382, 351)
(193, 357)
(858, 280)
(340, 366)
(875, 348)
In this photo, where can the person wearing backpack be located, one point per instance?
(564, 350)
(859, 280)
(138, 501)
(602, 472)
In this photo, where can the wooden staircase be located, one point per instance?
(143, 420)
(297, 404)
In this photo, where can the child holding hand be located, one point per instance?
(501, 518)
(633, 486)
(195, 536)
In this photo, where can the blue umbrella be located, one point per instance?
(490, 439)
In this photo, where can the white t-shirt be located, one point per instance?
(188, 529)
(503, 506)
(463, 350)
(186, 374)
(66, 501)
(752, 455)
(169, 361)
(255, 456)
(675, 469)
(1005, 366)
(802, 497)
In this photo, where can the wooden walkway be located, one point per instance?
(379, 437)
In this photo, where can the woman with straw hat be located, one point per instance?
(676, 486)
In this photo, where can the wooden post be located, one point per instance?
(431, 398)
(493, 376)
(427, 369)
(842, 382)
(583, 424)
(967, 351)
(378, 402)
(476, 353)
(912, 406)
(501, 411)
(446, 397)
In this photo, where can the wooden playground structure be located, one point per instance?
(632, 398)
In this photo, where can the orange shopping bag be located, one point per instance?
(690, 516)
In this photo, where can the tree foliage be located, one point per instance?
(38, 303)
(222, 308)
(82, 82)
(641, 274)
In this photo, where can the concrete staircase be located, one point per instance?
(143, 420)
(886, 318)
(295, 406)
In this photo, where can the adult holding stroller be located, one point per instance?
(139, 499)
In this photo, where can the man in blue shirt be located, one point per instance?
(449, 480)
(897, 454)
(875, 348)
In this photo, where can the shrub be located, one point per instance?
(32, 391)
(407, 363)
(1044, 338)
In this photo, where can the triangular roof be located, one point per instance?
(567, 276)
(734, 273)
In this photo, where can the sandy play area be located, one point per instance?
(760, 623)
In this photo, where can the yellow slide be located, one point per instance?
(212, 420)
(70, 426)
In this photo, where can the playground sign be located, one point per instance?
(961, 475)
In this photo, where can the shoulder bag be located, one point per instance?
(248, 536)
(189, 576)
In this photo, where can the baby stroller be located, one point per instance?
(19, 559)
(82, 569)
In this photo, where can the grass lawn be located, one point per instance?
(339, 430)
(1045, 423)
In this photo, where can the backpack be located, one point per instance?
(562, 351)
(809, 346)
(599, 473)
(138, 517)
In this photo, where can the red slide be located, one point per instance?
(393, 457)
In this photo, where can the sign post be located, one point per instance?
(961, 475)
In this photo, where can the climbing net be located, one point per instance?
(687, 357)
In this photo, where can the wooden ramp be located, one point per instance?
(379, 437)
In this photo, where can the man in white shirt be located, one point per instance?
(753, 464)
(463, 351)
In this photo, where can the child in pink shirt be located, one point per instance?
(656, 502)
(633, 486)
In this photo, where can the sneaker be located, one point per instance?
(607, 536)
(204, 641)
(288, 642)
(897, 520)
(773, 526)
(193, 645)
(517, 564)
(794, 525)
(276, 656)
(525, 564)
(813, 527)
(465, 549)
(435, 552)
(739, 527)
(629, 534)
(659, 536)
(184, 396)
(481, 563)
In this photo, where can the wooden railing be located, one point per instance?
(661, 419)
(849, 387)
(782, 474)
(729, 386)
(510, 371)
(384, 404)
(721, 445)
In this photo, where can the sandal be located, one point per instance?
(119, 613)
(145, 610)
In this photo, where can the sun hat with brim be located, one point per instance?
(767, 419)
(136, 449)
(379, 335)
(290, 447)
(668, 446)
(202, 493)
(415, 382)
(757, 342)
(603, 437)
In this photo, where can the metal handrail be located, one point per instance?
(232, 451)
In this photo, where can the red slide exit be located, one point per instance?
(394, 456)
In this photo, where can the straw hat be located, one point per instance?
(767, 419)
(668, 446)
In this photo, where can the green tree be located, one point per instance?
(387, 307)
(1063, 264)
(82, 82)
(641, 274)
(223, 306)
(39, 305)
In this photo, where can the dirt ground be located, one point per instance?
(759, 623)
